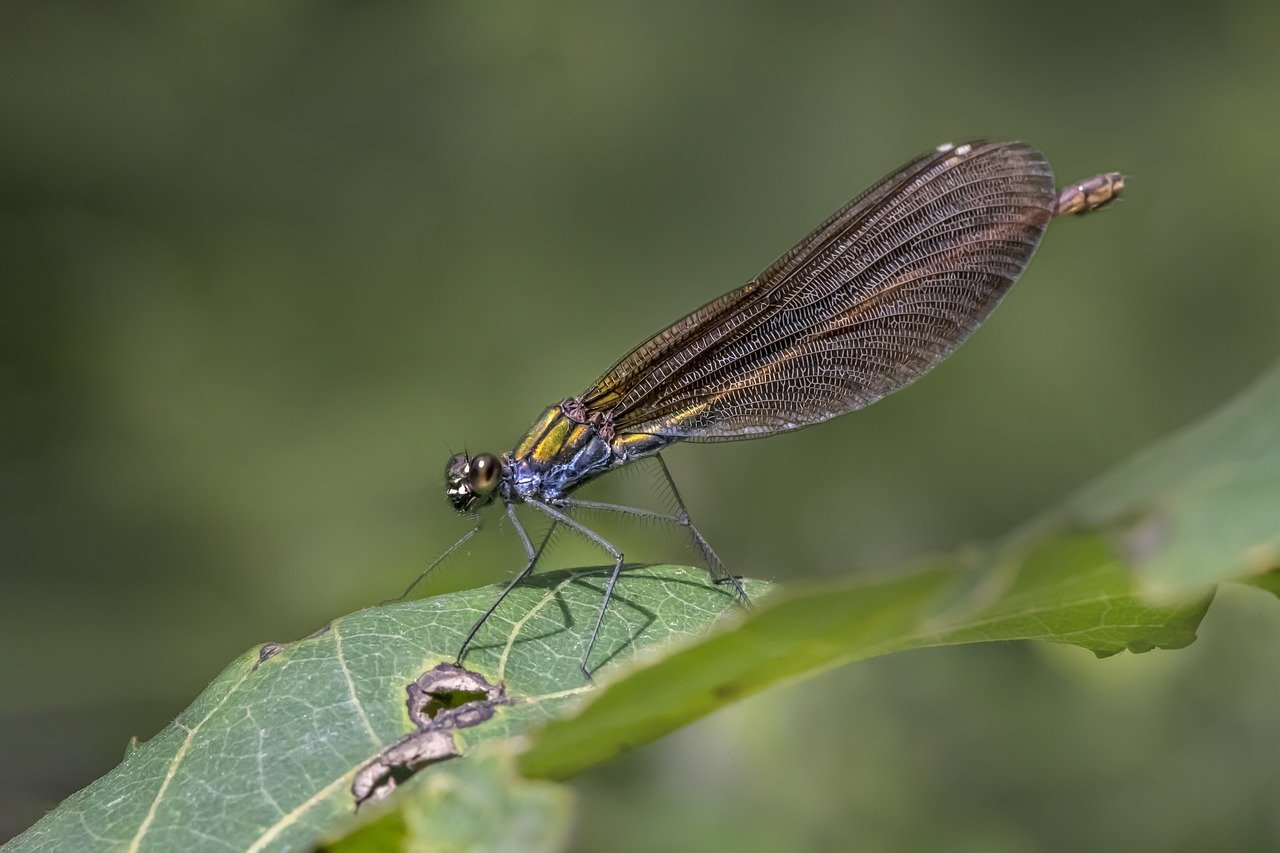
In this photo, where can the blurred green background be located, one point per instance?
(266, 263)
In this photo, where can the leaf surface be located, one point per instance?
(478, 804)
(1202, 506)
(264, 758)
(1074, 590)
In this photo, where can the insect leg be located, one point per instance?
(521, 575)
(718, 573)
(438, 560)
(613, 577)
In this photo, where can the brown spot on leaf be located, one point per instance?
(728, 691)
(268, 651)
(440, 701)
(398, 762)
(451, 694)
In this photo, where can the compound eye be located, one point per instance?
(485, 473)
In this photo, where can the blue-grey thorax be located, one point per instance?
(560, 453)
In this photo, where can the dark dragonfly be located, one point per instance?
(877, 295)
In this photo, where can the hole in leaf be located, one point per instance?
(445, 700)
(440, 700)
(449, 695)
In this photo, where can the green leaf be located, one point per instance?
(478, 804)
(1130, 562)
(264, 759)
(1202, 506)
(1073, 590)
(266, 756)
(1270, 581)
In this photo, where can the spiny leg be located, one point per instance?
(613, 577)
(437, 561)
(714, 567)
(521, 575)
(719, 574)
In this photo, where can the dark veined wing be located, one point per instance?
(877, 295)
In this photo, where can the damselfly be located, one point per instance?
(877, 295)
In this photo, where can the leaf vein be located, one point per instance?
(272, 832)
(177, 759)
(519, 624)
(351, 685)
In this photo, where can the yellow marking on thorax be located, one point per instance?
(553, 436)
(552, 440)
(537, 432)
